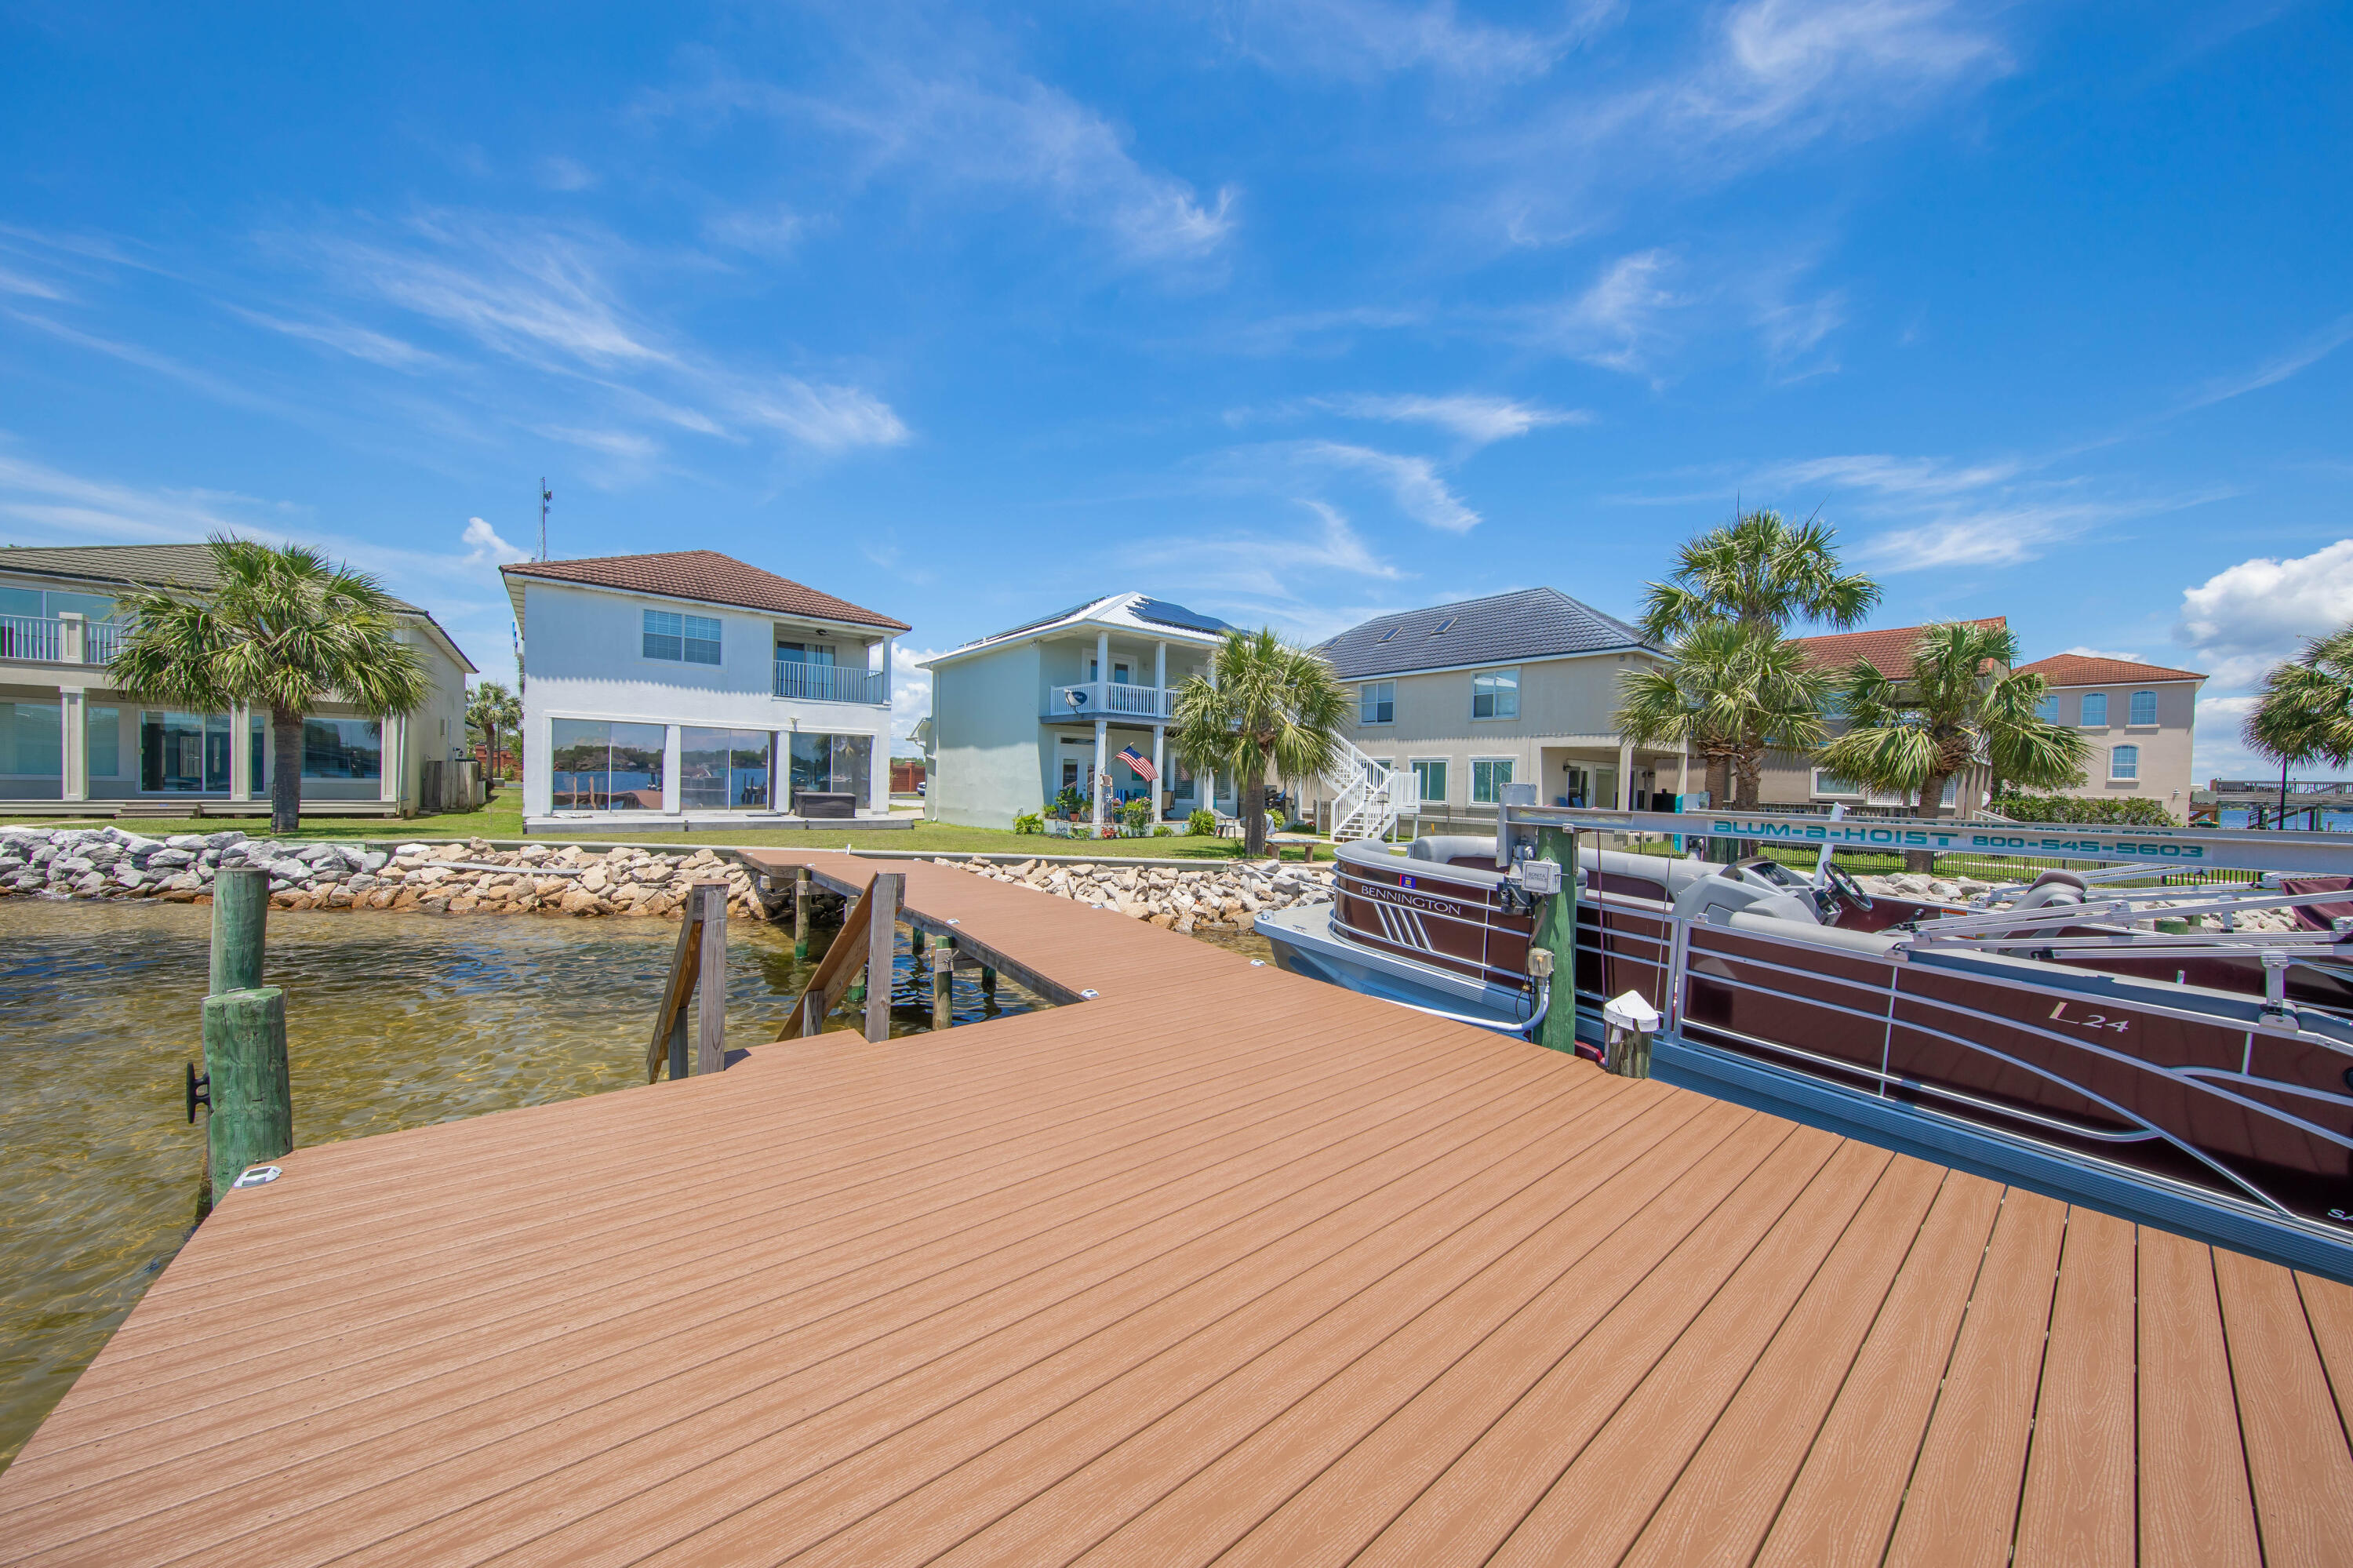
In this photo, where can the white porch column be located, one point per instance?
(1103, 661)
(1683, 771)
(73, 743)
(669, 770)
(240, 752)
(1160, 731)
(393, 768)
(1625, 775)
(1103, 764)
(1160, 676)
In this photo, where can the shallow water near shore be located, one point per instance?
(392, 1020)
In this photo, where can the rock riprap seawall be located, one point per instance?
(452, 878)
(1181, 899)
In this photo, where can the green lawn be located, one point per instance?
(503, 820)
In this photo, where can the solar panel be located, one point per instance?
(1160, 613)
(1033, 625)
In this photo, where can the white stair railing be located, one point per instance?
(1367, 795)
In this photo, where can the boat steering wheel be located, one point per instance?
(1845, 888)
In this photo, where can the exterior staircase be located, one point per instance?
(1366, 797)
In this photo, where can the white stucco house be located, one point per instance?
(72, 743)
(1018, 716)
(692, 686)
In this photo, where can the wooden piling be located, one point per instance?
(943, 984)
(240, 913)
(801, 889)
(1556, 931)
(882, 950)
(711, 1001)
(988, 982)
(252, 1119)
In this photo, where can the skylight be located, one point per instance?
(1441, 626)
(1392, 631)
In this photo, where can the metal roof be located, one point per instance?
(1532, 623)
(1133, 611)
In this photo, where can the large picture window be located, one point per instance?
(183, 753)
(2095, 711)
(723, 770)
(32, 740)
(833, 763)
(1377, 702)
(692, 639)
(343, 749)
(1488, 777)
(1495, 694)
(103, 743)
(598, 766)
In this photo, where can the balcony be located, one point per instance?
(42, 640)
(1109, 699)
(831, 683)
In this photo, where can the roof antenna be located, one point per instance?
(545, 495)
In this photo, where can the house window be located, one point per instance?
(1430, 780)
(1377, 702)
(2123, 764)
(688, 639)
(1488, 777)
(2047, 710)
(182, 753)
(723, 770)
(803, 652)
(1834, 787)
(32, 739)
(2143, 708)
(103, 743)
(1495, 694)
(2095, 711)
(837, 764)
(603, 766)
(343, 749)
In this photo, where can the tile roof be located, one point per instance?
(1532, 623)
(165, 566)
(703, 575)
(2082, 669)
(1889, 650)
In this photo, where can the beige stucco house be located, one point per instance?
(1517, 688)
(1796, 781)
(2140, 721)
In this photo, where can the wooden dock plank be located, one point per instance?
(1842, 1509)
(2297, 1453)
(1223, 1262)
(2077, 1511)
(1961, 1505)
(2195, 1504)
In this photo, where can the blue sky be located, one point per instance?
(1293, 313)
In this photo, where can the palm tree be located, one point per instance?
(1758, 571)
(1961, 705)
(1731, 693)
(1263, 703)
(282, 629)
(2305, 713)
(491, 711)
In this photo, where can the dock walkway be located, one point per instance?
(1221, 1265)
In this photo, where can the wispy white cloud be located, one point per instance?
(1419, 490)
(1476, 418)
(2248, 617)
(1784, 64)
(19, 284)
(562, 174)
(910, 691)
(829, 419)
(762, 231)
(1362, 39)
(360, 343)
(486, 548)
(1993, 535)
(1911, 477)
(1612, 321)
(2082, 652)
(2271, 373)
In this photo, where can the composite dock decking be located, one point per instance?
(1222, 1265)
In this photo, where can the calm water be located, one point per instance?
(392, 1020)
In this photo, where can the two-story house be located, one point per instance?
(689, 684)
(1517, 688)
(1023, 715)
(72, 743)
(1791, 779)
(2140, 721)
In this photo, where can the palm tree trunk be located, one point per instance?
(286, 761)
(1253, 804)
(1932, 799)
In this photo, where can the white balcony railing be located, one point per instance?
(831, 682)
(42, 638)
(1109, 699)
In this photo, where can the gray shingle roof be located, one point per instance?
(164, 565)
(1533, 623)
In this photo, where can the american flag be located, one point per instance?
(1142, 765)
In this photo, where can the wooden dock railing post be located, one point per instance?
(943, 981)
(699, 958)
(252, 1119)
(882, 950)
(800, 911)
(711, 1007)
